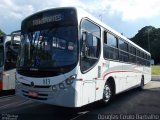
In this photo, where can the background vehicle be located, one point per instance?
(8, 56)
(69, 58)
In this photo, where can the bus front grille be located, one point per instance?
(40, 96)
(36, 86)
(37, 98)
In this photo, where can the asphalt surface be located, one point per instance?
(133, 104)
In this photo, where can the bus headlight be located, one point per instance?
(69, 80)
(54, 87)
(61, 86)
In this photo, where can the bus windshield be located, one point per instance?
(1, 55)
(49, 48)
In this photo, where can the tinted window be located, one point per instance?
(132, 58)
(111, 40)
(138, 53)
(132, 50)
(92, 28)
(142, 54)
(92, 45)
(123, 45)
(110, 47)
(1, 55)
(145, 56)
(1, 51)
(1, 39)
(148, 57)
(123, 56)
(49, 49)
(11, 52)
(110, 52)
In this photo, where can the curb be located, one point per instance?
(155, 77)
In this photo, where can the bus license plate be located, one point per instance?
(33, 94)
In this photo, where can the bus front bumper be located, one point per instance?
(66, 97)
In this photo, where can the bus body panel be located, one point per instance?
(125, 75)
(9, 79)
(92, 85)
(65, 97)
(69, 96)
(88, 86)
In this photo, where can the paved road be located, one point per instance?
(128, 105)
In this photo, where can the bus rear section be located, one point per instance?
(8, 53)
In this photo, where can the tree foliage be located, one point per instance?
(1, 32)
(149, 39)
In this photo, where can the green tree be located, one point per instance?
(1, 32)
(149, 39)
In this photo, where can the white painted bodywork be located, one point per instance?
(88, 87)
(9, 80)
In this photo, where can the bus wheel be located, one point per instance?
(142, 84)
(107, 93)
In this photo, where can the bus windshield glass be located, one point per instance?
(49, 48)
(48, 43)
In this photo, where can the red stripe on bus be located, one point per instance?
(1, 85)
(114, 72)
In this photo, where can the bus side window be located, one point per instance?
(123, 51)
(1, 55)
(110, 46)
(132, 52)
(11, 55)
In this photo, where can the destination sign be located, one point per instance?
(48, 19)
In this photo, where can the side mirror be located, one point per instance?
(15, 35)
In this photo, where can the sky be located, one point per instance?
(125, 16)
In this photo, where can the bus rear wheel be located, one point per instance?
(107, 93)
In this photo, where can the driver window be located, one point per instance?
(91, 47)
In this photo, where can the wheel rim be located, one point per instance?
(107, 93)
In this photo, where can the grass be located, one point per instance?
(156, 70)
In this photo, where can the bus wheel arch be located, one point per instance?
(109, 90)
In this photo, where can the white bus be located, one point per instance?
(8, 58)
(69, 58)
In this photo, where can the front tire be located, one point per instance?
(107, 93)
